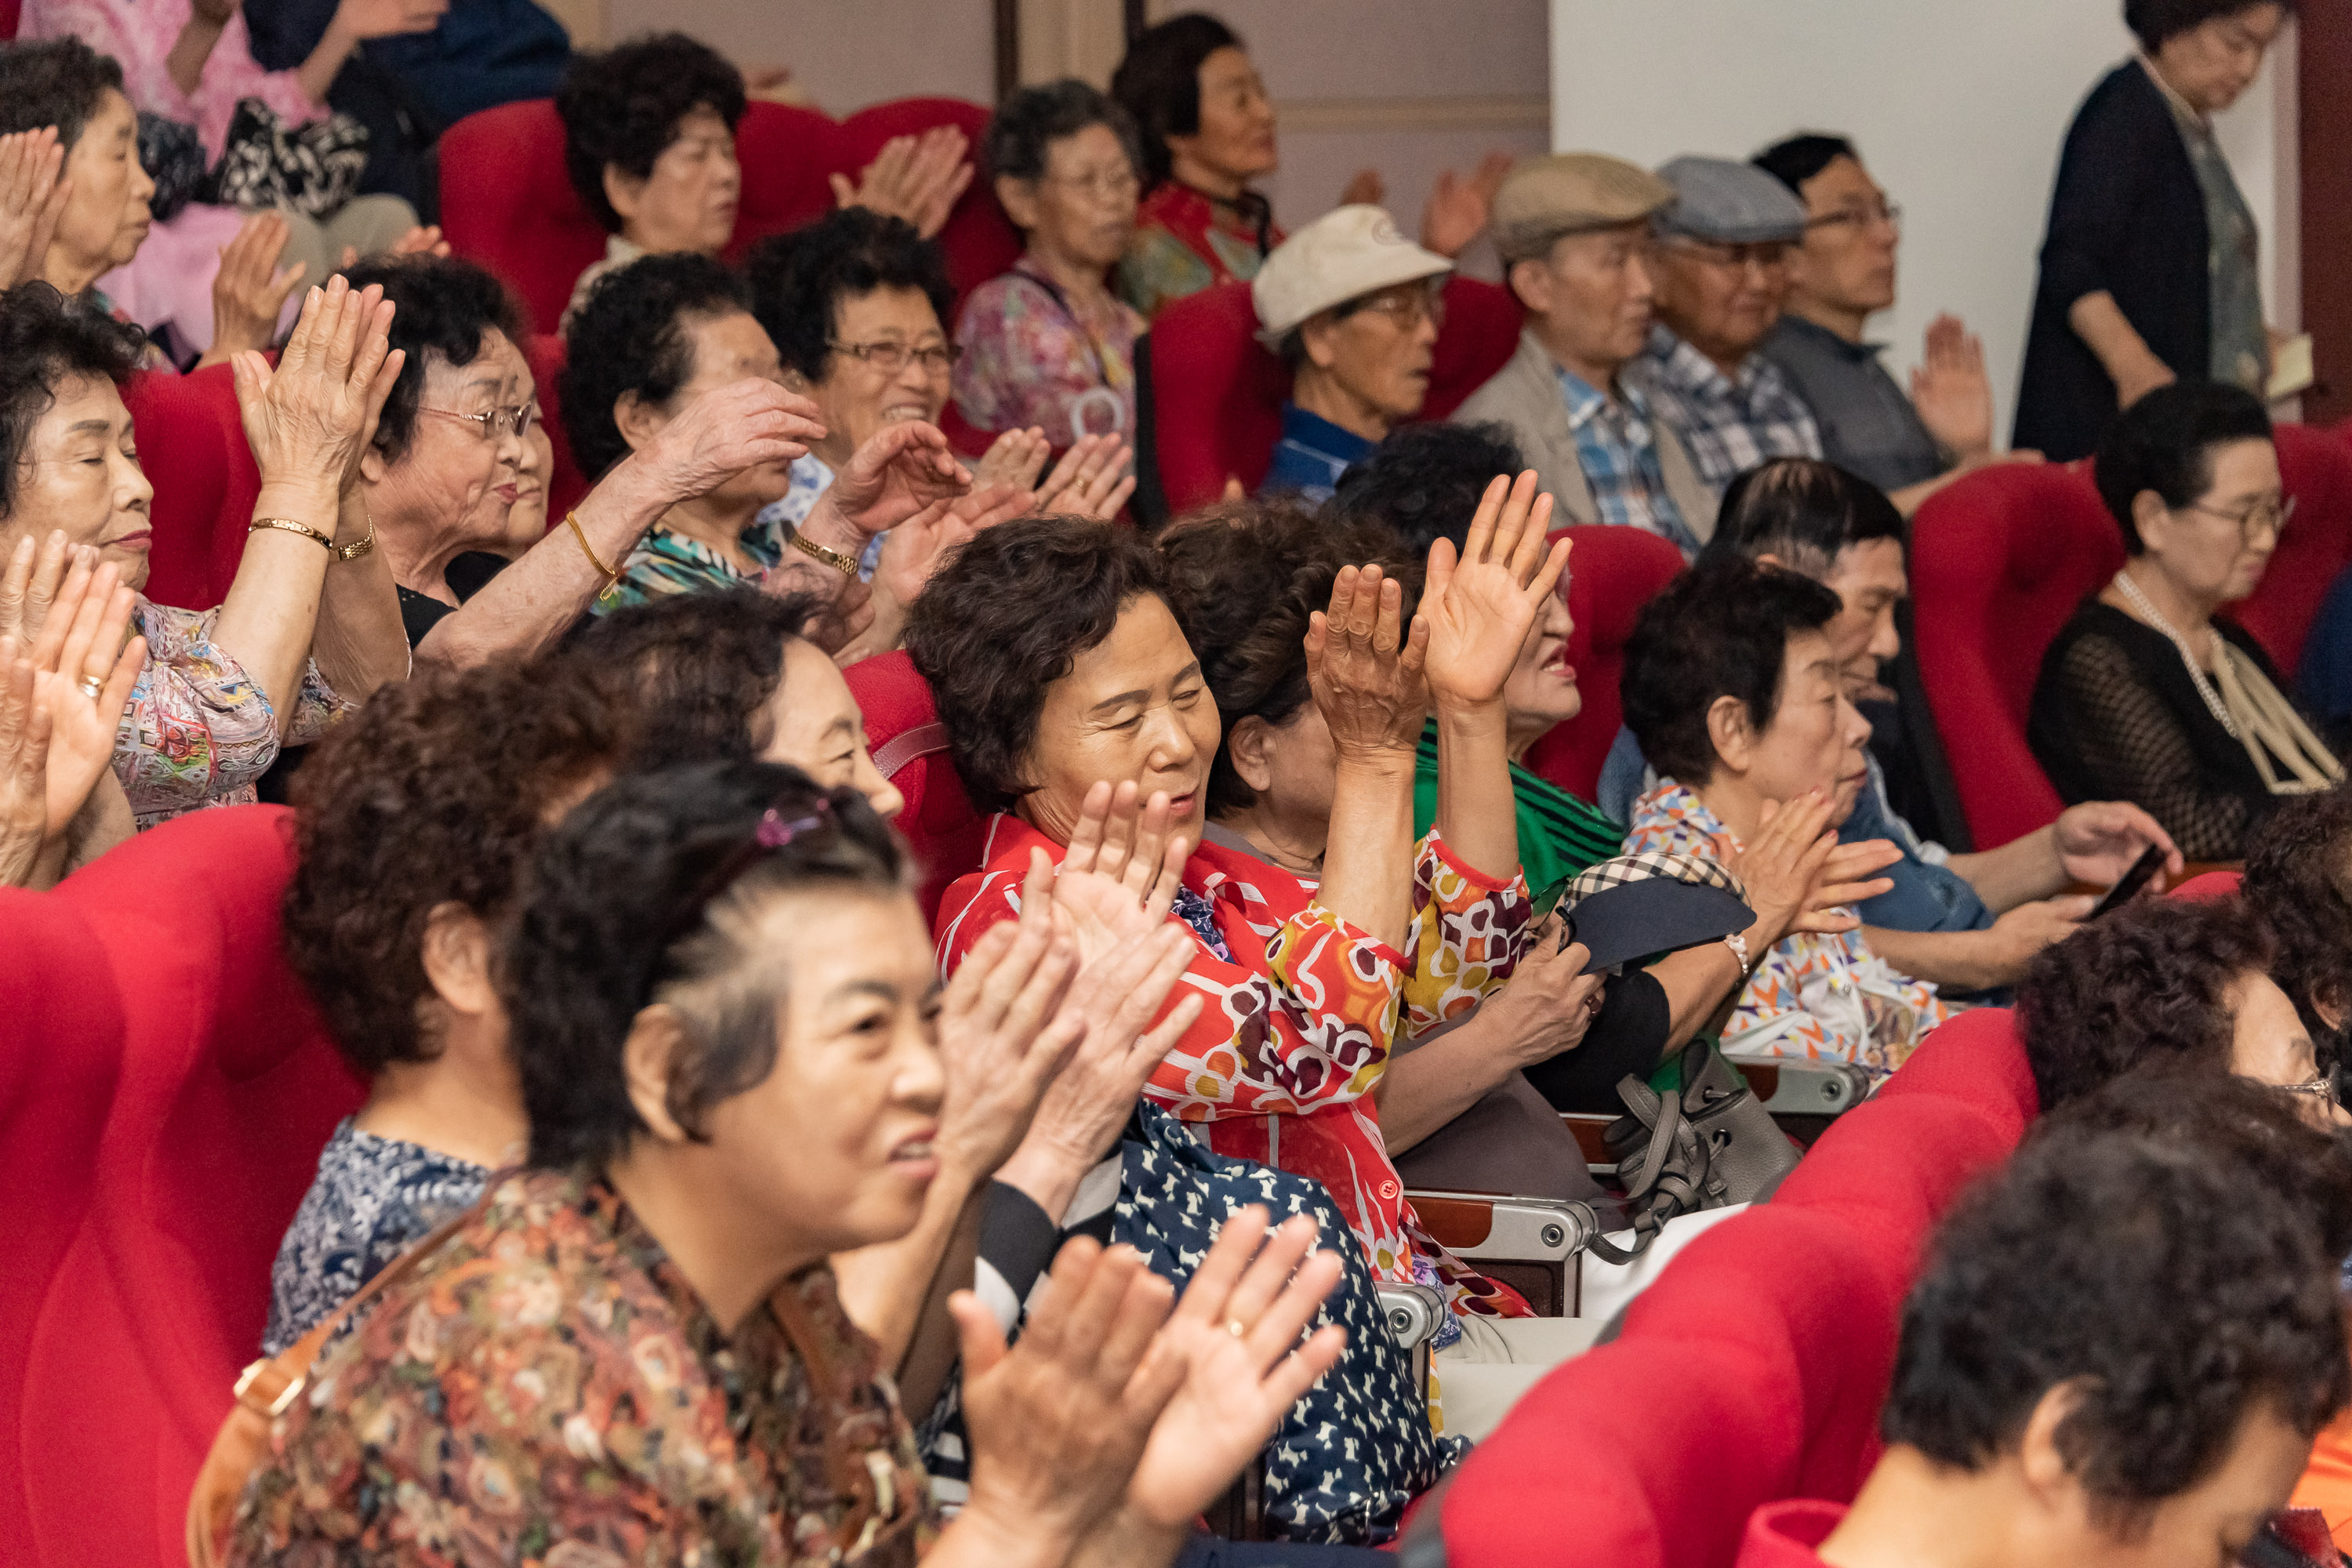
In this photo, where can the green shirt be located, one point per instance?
(1560, 835)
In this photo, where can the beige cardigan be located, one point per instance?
(1525, 396)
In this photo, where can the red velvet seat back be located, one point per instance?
(506, 204)
(902, 727)
(1613, 573)
(1480, 335)
(786, 153)
(1999, 560)
(192, 446)
(2318, 544)
(1754, 1368)
(977, 240)
(229, 1088)
(566, 485)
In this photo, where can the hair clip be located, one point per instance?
(775, 832)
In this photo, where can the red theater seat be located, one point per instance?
(1613, 573)
(1999, 559)
(979, 240)
(228, 1089)
(1215, 395)
(786, 153)
(2318, 544)
(1753, 1369)
(192, 446)
(910, 748)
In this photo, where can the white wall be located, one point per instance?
(1957, 106)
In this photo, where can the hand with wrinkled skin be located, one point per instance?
(1365, 668)
(33, 190)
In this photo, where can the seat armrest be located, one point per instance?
(1796, 1086)
(1533, 1245)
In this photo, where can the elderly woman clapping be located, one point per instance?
(309, 628)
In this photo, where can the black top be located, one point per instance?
(2128, 217)
(2116, 717)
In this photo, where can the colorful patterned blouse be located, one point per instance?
(549, 1390)
(1185, 240)
(1033, 354)
(198, 731)
(1296, 1032)
(1812, 995)
(665, 562)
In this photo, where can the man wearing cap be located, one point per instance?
(1573, 230)
(1721, 268)
(1353, 308)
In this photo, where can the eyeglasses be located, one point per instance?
(1103, 184)
(2324, 1087)
(890, 357)
(1766, 256)
(1406, 307)
(497, 422)
(2264, 514)
(1860, 216)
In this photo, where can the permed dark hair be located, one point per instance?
(1802, 513)
(44, 341)
(1425, 480)
(1159, 83)
(592, 946)
(703, 666)
(629, 335)
(621, 108)
(1720, 629)
(1799, 158)
(2165, 443)
(1004, 618)
(2154, 21)
(433, 793)
(2144, 989)
(2299, 881)
(1026, 125)
(1243, 579)
(54, 82)
(800, 281)
(444, 307)
(2156, 1273)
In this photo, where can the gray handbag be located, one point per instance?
(1708, 1147)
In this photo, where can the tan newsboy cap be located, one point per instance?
(1570, 193)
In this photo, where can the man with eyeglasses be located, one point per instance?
(1840, 275)
(1574, 232)
(1721, 255)
(1353, 309)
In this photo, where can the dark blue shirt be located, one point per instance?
(1311, 456)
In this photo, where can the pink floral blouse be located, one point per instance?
(140, 33)
(198, 731)
(1034, 354)
(1823, 997)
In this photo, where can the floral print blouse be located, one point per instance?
(1300, 1011)
(1812, 995)
(548, 1389)
(197, 730)
(1033, 354)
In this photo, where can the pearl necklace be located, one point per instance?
(2139, 601)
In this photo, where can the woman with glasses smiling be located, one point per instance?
(2145, 696)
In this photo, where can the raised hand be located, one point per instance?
(914, 178)
(425, 240)
(900, 469)
(912, 550)
(1058, 1422)
(1365, 188)
(1951, 391)
(305, 419)
(1458, 208)
(1119, 874)
(1091, 480)
(743, 424)
(33, 190)
(1003, 1030)
(36, 572)
(1799, 878)
(1236, 1332)
(1016, 457)
(83, 680)
(1481, 607)
(23, 768)
(250, 289)
(1365, 668)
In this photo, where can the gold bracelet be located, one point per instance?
(354, 552)
(572, 519)
(290, 526)
(844, 564)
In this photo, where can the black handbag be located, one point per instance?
(313, 169)
(1707, 1146)
(174, 157)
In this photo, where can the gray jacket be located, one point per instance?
(1525, 396)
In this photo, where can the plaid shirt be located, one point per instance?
(1618, 454)
(1727, 426)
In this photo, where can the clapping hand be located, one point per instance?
(1016, 457)
(1093, 478)
(1799, 878)
(912, 550)
(250, 289)
(423, 240)
(900, 469)
(66, 670)
(23, 768)
(1458, 208)
(1120, 875)
(1952, 393)
(1365, 667)
(1481, 607)
(33, 190)
(746, 424)
(306, 418)
(914, 178)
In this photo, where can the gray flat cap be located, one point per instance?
(1727, 202)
